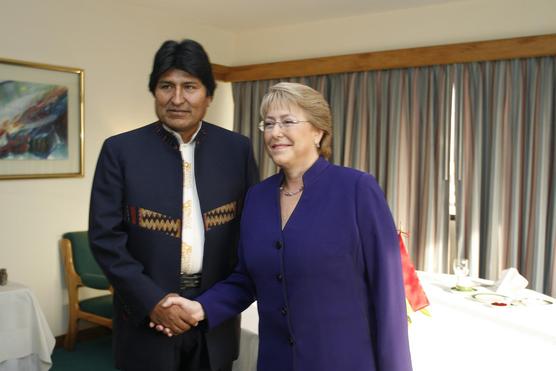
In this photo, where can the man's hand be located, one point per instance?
(173, 318)
(192, 308)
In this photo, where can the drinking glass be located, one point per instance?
(461, 270)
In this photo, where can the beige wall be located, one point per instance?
(454, 22)
(115, 46)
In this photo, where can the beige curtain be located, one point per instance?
(507, 168)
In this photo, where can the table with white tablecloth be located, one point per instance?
(462, 333)
(26, 341)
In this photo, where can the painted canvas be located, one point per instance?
(33, 121)
(41, 120)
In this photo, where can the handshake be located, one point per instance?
(174, 315)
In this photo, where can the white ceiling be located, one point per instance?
(238, 15)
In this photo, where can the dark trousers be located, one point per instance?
(190, 354)
(148, 350)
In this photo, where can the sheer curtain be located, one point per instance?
(393, 124)
(506, 198)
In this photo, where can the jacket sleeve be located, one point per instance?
(231, 296)
(108, 238)
(381, 253)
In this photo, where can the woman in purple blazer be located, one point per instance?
(318, 251)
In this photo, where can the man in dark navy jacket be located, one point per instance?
(164, 218)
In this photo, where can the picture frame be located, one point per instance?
(41, 120)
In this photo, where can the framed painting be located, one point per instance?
(41, 120)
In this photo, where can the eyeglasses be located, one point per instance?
(268, 125)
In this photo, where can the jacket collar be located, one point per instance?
(310, 175)
(170, 139)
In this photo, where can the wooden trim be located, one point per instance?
(220, 72)
(521, 47)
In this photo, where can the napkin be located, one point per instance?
(510, 282)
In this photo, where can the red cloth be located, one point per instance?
(414, 292)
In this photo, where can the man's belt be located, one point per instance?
(189, 281)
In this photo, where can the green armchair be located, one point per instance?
(82, 270)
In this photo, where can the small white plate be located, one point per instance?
(496, 300)
(536, 301)
(463, 289)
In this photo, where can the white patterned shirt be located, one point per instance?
(193, 231)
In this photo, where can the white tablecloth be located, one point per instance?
(26, 341)
(462, 334)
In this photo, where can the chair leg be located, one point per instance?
(69, 341)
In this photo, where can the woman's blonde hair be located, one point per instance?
(312, 103)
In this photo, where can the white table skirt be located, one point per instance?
(26, 341)
(461, 335)
(31, 362)
(249, 347)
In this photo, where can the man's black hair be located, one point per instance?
(187, 55)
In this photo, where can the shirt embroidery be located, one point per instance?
(154, 221)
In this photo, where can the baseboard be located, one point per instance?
(85, 334)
